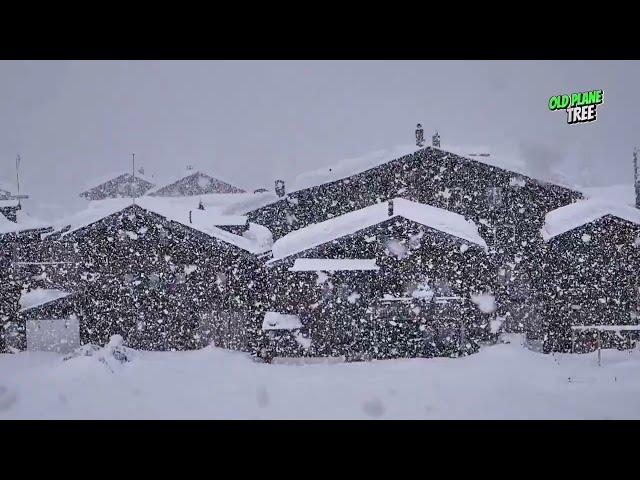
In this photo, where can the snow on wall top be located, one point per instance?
(280, 321)
(40, 296)
(349, 223)
(332, 264)
(564, 219)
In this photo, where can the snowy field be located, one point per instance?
(503, 381)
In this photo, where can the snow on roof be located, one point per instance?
(332, 264)
(350, 166)
(349, 223)
(40, 296)
(8, 203)
(24, 222)
(622, 194)
(177, 210)
(280, 321)
(574, 215)
(507, 159)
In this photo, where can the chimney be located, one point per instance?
(636, 175)
(435, 140)
(390, 210)
(419, 136)
(280, 188)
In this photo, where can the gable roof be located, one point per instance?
(352, 222)
(204, 221)
(119, 186)
(510, 162)
(195, 183)
(574, 215)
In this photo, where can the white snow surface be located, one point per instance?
(24, 222)
(503, 381)
(332, 264)
(352, 222)
(574, 215)
(40, 296)
(280, 321)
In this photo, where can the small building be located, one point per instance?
(339, 277)
(590, 272)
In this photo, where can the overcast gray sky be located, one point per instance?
(252, 121)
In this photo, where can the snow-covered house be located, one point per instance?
(160, 277)
(124, 185)
(16, 239)
(508, 206)
(193, 183)
(339, 275)
(590, 272)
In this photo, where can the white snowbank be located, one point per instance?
(332, 264)
(503, 381)
(564, 219)
(280, 321)
(349, 223)
(40, 296)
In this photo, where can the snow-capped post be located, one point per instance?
(435, 140)
(419, 136)
(390, 209)
(636, 175)
(280, 188)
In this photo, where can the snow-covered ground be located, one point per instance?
(501, 381)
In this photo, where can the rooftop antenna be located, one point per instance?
(18, 177)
